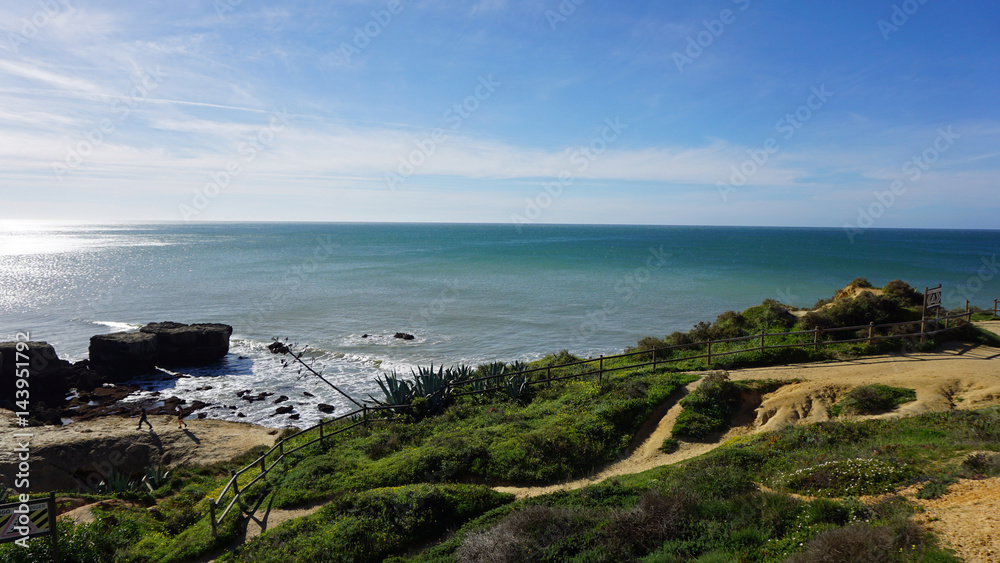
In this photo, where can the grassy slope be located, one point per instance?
(565, 431)
(710, 508)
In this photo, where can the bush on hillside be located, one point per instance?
(873, 399)
(902, 293)
(864, 309)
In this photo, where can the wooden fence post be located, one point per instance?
(871, 333)
(968, 312)
(762, 340)
(708, 361)
(995, 301)
(654, 361)
(816, 339)
(211, 512)
(600, 369)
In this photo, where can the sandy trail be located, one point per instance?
(644, 454)
(967, 518)
(955, 376)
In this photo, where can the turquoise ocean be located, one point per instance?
(469, 293)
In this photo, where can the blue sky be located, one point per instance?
(851, 113)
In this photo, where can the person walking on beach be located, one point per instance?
(180, 418)
(142, 418)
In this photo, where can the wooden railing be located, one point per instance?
(361, 416)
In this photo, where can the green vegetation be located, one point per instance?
(670, 445)
(873, 399)
(566, 431)
(712, 509)
(372, 525)
(709, 408)
(413, 485)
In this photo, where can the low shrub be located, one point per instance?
(847, 477)
(981, 464)
(873, 399)
(670, 445)
(707, 409)
(902, 293)
(935, 488)
(859, 542)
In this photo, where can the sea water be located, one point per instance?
(468, 293)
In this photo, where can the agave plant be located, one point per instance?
(397, 392)
(518, 366)
(155, 477)
(495, 372)
(117, 483)
(459, 374)
(433, 386)
(516, 386)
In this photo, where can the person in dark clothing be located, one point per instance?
(142, 418)
(180, 418)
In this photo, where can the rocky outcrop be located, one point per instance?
(48, 377)
(122, 355)
(403, 336)
(182, 345)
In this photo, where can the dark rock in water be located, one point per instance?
(308, 394)
(201, 415)
(403, 336)
(284, 410)
(205, 388)
(323, 407)
(180, 345)
(241, 415)
(280, 399)
(294, 417)
(365, 335)
(122, 355)
(50, 379)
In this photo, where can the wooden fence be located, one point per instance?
(927, 327)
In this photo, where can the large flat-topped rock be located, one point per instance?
(183, 345)
(121, 355)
